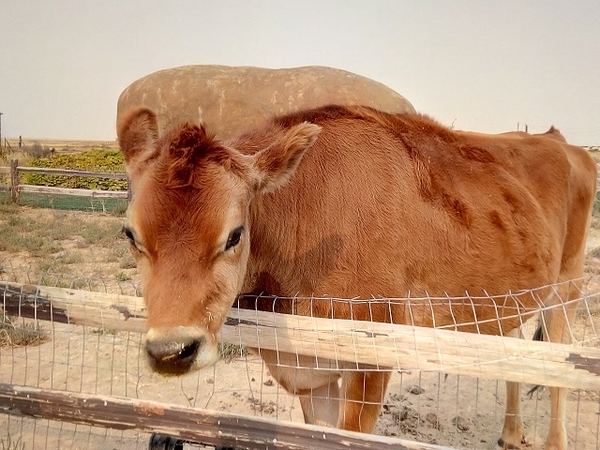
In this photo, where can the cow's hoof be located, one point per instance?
(503, 445)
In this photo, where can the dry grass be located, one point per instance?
(595, 252)
(23, 157)
(59, 146)
(74, 146)
(595, 153)
(44, 236)
(10, 444)
(230, 352)
(26, 334)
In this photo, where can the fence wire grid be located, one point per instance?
(455, 411)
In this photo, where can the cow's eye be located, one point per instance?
(129, 234)
(234, 238)
(131, 237)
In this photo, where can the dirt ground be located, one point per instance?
(459, 412)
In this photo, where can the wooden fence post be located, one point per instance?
(14, 180)
(129, 192)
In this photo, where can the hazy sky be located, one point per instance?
(480, 65)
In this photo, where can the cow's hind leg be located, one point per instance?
(512, 436)
(363, 394)
(556, 325)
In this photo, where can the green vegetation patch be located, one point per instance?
(91, 161)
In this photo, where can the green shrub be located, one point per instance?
(37, 150)
(91, 161)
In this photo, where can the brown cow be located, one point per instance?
(379, 205)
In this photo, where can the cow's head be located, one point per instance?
(188, 225)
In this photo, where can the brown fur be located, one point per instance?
(380, 206)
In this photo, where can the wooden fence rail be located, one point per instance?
(208, 427)
(16, 188)
(359, 344)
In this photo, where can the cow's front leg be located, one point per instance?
(317, 388)
(363, 394)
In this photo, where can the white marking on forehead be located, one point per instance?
(236, 210)
(233, 219)
(131, 215)
(129, 222)
(137, 185)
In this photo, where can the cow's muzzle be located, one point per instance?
(174, 352)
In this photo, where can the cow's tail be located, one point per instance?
(537, 336)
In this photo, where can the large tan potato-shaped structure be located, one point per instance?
(229, 100)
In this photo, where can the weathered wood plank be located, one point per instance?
(93, 309)
(14, 180)
(15, 187)
(71, 172)
(197, 425)
(417, 348)
(79, 192)
(360, 344)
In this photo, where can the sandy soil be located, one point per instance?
(460, 412)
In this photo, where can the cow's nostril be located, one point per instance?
(189, 350)
(172, 356)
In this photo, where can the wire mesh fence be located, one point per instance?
(98, 358)
(63, 189)
(73, 202)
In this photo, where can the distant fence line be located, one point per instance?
(15, 187)
(17, 145)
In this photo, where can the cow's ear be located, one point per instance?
(137, 132)
(275, 164)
